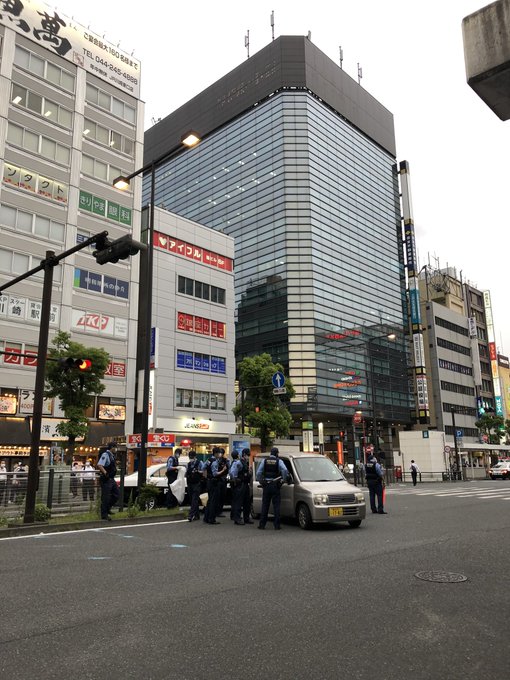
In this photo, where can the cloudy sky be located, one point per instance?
(412, 61)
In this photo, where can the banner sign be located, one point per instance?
(174, 245)
(65, 37)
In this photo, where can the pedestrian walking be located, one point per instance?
(194, 481)
(223, 469)
(246, 476)
(236, 486)
(3, 483)
(211, 473)
(374, 477)
(414, 472)
(88, 481)
(172, 469)
(109, 490)
(271, 474)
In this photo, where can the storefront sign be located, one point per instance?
(102, 324)
(8, 406)
(111, 412)
(177, 247)
(26, 403)
(49, 430)
(35, 183)
(154, 440)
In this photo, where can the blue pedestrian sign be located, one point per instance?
(278, 379)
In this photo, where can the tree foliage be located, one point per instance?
(492, 426)
(74, 389)
(265, 412)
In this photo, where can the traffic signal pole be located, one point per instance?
(47, 265)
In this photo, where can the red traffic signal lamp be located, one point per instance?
(71, 362)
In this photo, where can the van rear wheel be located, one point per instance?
(354, 523)
(304, 517)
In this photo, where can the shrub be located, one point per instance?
(42, 513)
(148, 497)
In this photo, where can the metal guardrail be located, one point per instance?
(63, 491)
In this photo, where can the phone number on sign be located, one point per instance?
(116, 70)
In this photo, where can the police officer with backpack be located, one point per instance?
(172, 470)
(236, 485)
(194, 481)
(109, 490)
(246, 476)
(271, 474)
(374, 477)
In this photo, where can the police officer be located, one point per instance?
(236, 485)
(374, 477)
(172, 469)
(194, 482)
(246, 476)
(211, 470)
(109, 490)
(271, 473)
(223, 469)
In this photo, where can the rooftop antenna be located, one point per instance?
(309, 36)
(360, 74)
(247, 42)
(272, 23)
(341, 56)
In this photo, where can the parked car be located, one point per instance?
(501, 470)
(317, 492)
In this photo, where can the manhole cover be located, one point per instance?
(441, 576)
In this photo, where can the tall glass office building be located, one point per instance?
(298, 164)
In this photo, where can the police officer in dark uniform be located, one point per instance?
(211, 470)
(223, 468)
(236, 485)
(194, 483)
(246, 476)
(374, 477)
(271, 474)
(109, 490)
(172, 470)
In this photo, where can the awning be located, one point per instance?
(483, 448)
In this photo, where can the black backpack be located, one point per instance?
(193, 473)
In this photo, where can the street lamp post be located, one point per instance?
(188, 140)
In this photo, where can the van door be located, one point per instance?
(287, 492)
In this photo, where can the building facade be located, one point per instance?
(193, 374)
(70, 122)
(298, 165)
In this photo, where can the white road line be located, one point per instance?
(81, 531)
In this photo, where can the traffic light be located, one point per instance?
(69, 363)
(120, 249)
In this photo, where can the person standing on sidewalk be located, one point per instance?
(374, 477)
(172, 469)
(236, 485)
(88, 481)
(109, 490)
(414, 472)
(271, 474)
(246, 477)
(3, 483)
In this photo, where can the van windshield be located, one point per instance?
(317, 469)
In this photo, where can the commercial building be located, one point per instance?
(297, 163)
(70, 122)
(193, 359)
(459, 344)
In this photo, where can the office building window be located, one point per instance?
(12, 262)
(99, 170)
(458, 389)
(199, 399)
(200, 290)
(53, 112)
(31, 223)
(453, 346)
(107, 137)
(39, 144)
(44, 69)
(111, 104)
(455, 328)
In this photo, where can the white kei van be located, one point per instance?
(317, 492)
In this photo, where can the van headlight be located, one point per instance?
(320, 499)
(359, 497)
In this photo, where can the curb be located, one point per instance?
(38, 528)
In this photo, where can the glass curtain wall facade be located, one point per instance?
(313, 205)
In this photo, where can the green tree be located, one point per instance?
(265, 412)
(74, 389)
(492, 426)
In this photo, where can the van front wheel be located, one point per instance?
(354, 523)
(304, 517)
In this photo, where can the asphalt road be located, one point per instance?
(200, 602)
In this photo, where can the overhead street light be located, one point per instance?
(189, 139)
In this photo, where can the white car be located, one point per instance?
(156, 474)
